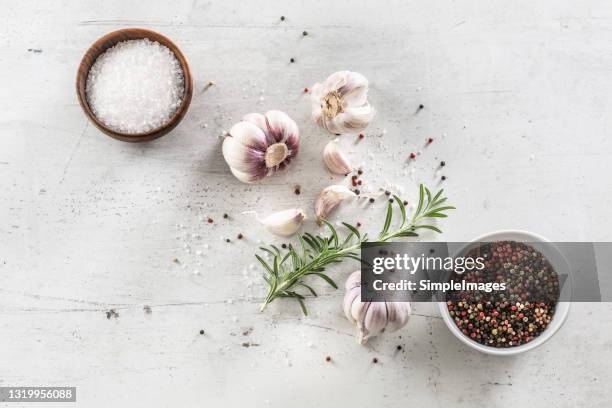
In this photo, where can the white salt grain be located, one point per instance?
(135, 86)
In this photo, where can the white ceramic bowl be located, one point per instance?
(562, 309)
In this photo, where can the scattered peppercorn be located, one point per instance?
(284, 246)
(358, 224)
(405, 202)
(421, 106)
(306, 90)
(391, 200)
(443, 178)
(375, 360)
(413, 155)
(228, 240)
(282, 18)
(399, 347)
(304, 33)
(361, 136)
(430, 140)
(359, 182)
(225, 216)
(442, 163)
(210, 220)
(357, 192)
(372, 200)
(360, 172)
(240, 236)
(297, 190)
(292, 60)
(387, 193)
(201, 331)
(328, 359)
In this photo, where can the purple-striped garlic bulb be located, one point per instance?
(372, 318)
(340, 104)
(260, 145)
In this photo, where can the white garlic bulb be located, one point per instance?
(372, 318)
(329, 198)
(260, 144)
(340, 104)
(285, 222)
(335, 160)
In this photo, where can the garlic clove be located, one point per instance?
(241, 157)
(258, 120)
(249, 135)
(329, 198)
(358, 311)
(285, 222)
(245, 177)
(353, 281)
(335, 160)
(398, 315)
(281, 126)
(375, 320)
(354, 295)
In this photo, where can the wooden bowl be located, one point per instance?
(109, 40)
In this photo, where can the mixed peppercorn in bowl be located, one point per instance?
(523, 316)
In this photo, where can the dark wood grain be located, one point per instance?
(109, 40)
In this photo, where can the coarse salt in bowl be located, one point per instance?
(134, 85)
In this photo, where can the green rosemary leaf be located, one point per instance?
(421, 200)
(431, 227)
(448, 207)
(265, 264)
(325, 278)
(438, 195)
(436, 215)
(352, 229)
(268, 250)
(388, 219)
(309, 288)
(310, 241)
(407, 234)
(303, 306)
(402, 208)
(428, 195)
(275, 248)
(333, 232)
(287, 255)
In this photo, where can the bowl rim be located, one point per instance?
(102, 44)
(559, 318)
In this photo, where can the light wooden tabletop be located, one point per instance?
(516, 96)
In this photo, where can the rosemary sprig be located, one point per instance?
(287, 272)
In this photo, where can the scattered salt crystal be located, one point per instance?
(135, 86)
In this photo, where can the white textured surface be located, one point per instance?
(517, 97)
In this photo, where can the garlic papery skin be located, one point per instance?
(372, 318)
(329, 198)
(284, 223)
(260, 145)
(340, 104)
(335, 160)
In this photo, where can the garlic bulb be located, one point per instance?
(372, 318)
(285, 222)
(335, 160)
(329, 198)
(260, 144)
(340, 104)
